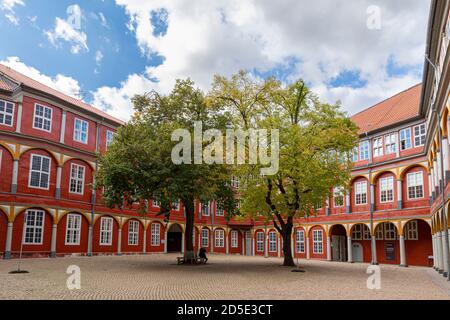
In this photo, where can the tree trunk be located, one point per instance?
(189, 230)
(287, 249)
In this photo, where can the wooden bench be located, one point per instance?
(195, 260)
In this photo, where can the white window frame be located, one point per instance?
(234, 239)
(235, 182)
(361, 192)
(109, 137)
(43, 117)
(378, 147)
(412, 230)
(390, 143)
(300, 241)
(155, 230)
(421, 136)
(338, 194)
(273, 245)
(40, 172)
(73, 230)
(385, 184)
(33, 229)
(106, 231)
(156, 203)
(203, 205)
(390, 232)
(379, 232)
(219, 238)
(76, 179)
(219, 211)
(205, 238)
(357, 232)
(405, 132)
(7, 114)
(175, 205)
(133, 233)
(80, 131)
(318, 241)
(355, 154)
(364, 151)
(415, 184)
(260, 241)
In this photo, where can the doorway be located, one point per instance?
(174, 238)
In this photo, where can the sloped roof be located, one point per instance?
(403, 106)
(6, 84)
(28, 82)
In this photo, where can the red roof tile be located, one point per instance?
(24, 80)
(403, 106)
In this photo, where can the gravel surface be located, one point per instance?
(225, 277)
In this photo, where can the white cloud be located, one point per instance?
(59, 82)
(98, 57)
(208, 37)
(8, 7)
(70, 31)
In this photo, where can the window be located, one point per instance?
(405, 139)
(317, 241)
(39, 172)
(272, 241)
(133, 233)
(235, 182)
(34, 226)
(80, 133)
(411, 231)
(109, 137)
(219, 236)
(6, 113)
(355, 154)
(366, 233)
(318, 206)
(155, 202)
(378, 147)
(338, 197)
(156, 234)
(390, 232)
(387, 189)
(361, 192)
(357, 232)
(106, 229)
(419, 135)
(176, 205)
(73, 229)
(77, 179)
(219, 210)
(300, 239)
(379, 232)
(205, 238)
(390, 143)
(234, 238)
(260, 241)
(205, 208)
(42, 118)
(364, 151)
(415, 185)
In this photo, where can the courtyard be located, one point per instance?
(154, 277)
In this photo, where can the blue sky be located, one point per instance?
(124, 47)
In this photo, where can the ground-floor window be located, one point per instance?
(205, 238)
(106, 229)
(300, 238)
(272, 241)
(360, 232)
(133, 233)
(156, 234)
(234, 238)
(219, 243)
(411, 231)
(73, 229)
(34, 226)
(317, 241)
(260, 241)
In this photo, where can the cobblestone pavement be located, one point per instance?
(225, 277)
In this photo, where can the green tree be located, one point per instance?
(315, 141)
(139, 165)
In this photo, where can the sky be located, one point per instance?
(104, 52)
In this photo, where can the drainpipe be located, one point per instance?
(442, 183)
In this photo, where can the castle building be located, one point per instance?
(395, 211)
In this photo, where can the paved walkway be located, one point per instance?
(226, 277)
